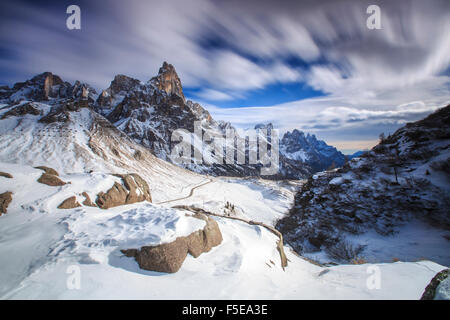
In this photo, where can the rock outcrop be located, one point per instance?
(134, 189)
(430, 290)
(150, 112)
(381, 191)
(5, 200)
(6, 175)
(48, 170)
(306, 149)
(51, 180)
(21, 110)
(169, 257)
(138, 188)
(69, 203)
(45, 86)
(87, 200)
(115, 196)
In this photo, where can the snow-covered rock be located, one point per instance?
(307, 149)
(391, 203)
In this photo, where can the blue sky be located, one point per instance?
(311, 65)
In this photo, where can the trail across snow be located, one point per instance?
(191, 192)
(40, 246)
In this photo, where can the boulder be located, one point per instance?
(138, 155)
(116, 196)
(204, 240)
(137, 187)
(87, 200)
(50, 180)
(169, 257)
(134, 189)
(48, 170)
(5, 200)
(21, 110)
(69, 203)
(168, 80)
(6, 175)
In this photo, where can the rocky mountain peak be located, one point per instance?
(46, 86)
(168, 80)
(122, 83)
(307, 148)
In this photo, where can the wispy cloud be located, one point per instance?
(226, 49)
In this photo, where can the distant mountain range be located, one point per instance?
(150, 112)
(395, 192)
(63, 145)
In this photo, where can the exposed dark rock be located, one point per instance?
(316, 153)
(57, 114)
(168, 80)
(430, 290)
(169, 257)
(133, 182)
(116, 196)
(48, 170)
(6, 175)
(69, 203)
(5, 200)
(381, 190)
(51, 180)
(150, 112)
(21, 110)
(138, 155)
(45, 86)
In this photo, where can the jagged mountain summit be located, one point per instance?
(47, 86)
(150, 113)
(48, 129)
(391, 203)
(63, 131)
(308, 149)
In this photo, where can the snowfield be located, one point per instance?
(42, 248)
(50, 253)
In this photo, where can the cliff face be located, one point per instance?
(401, 185)
(151, 112)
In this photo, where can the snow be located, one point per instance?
(66, 148)
(40, 245)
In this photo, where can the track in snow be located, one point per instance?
(190, 193)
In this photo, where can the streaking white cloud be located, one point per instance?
(226, 49)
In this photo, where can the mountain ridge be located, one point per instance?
(150, 112)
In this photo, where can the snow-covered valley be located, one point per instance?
(84, 206)
(41, 246)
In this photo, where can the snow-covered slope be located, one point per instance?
(150, 112)
(80, 140)
(43, 248)
(392, 203)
